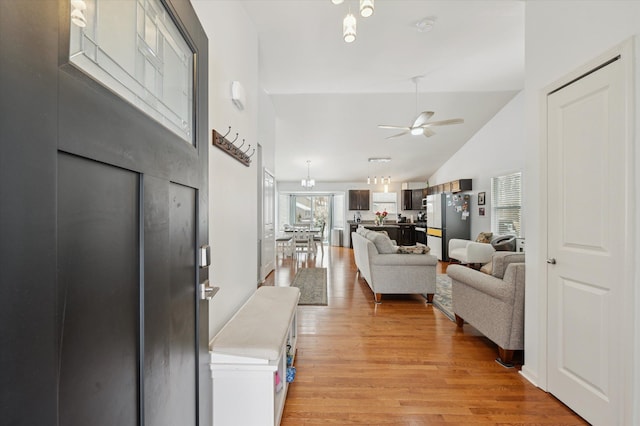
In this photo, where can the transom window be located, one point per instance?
(135, 49)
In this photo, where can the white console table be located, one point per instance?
(247, 355)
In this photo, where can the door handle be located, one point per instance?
(551, 261)
(206, 291)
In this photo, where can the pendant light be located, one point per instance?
(337, 1)
(349, 28)
(366, 8)
(308, 183)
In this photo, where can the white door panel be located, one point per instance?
(586, 226)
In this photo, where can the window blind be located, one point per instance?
(506, 204)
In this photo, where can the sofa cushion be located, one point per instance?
(484, 237)
(383, 243)
(417, 249)
(502, 259)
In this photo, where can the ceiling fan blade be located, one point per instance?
(399, 134)
(422, 118)
(427, 132)
(444, 122)
(385, 126)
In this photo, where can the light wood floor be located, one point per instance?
(399, 363)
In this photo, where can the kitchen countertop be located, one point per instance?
(387, 223)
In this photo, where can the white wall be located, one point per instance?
(497, 149)
(233, 229)
(561, 36)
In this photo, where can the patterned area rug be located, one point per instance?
(442, 298)
(312, 283)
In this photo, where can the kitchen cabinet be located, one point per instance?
(352, 229)
(412, 198)
(461, 185)
(453, 187)
(358, 199)
(407, 235)
(407, 202)
(416, 198)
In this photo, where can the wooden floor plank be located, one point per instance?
(399, 363)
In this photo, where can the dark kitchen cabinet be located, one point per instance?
(358, 199)
(407, 199)
(416, 197)
(407, 235)
(461, 185)
(412, 198)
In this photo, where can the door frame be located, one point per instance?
(626, 51)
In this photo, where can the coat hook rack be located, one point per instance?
(230, 148)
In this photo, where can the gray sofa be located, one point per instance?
(389, 272)
(493, 304)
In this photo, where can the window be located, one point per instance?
(506, 204)
(385, 201)
(136, 50)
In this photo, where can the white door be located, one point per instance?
(587, 130)
(268, 254)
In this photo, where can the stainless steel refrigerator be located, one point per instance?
(447, 217)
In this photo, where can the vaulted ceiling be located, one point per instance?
(329, 96)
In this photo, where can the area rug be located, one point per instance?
(442, 298)
(312, 283)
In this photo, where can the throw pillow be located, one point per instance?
(487, 268)
(413, 249)
(484, 237)
(383, 243)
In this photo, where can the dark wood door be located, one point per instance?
(103, 210)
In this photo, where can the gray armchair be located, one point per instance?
(493, 304)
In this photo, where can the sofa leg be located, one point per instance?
(429, 297)
(377, 297)
(505, 357)
(459, 321)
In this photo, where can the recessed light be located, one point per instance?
(379, 159)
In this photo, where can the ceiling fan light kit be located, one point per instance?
(421, 125)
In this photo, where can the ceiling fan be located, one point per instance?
(421, 125)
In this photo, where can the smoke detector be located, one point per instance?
(425, 25)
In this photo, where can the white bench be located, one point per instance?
(248, 353)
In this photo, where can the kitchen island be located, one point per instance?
(403, 233)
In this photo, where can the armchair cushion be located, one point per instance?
(502, 259)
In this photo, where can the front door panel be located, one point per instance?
(97, 293)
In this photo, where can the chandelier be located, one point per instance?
(308, 183)
(349, 22)
(385, 181)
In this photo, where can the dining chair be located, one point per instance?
(303, 240)
(318, 239)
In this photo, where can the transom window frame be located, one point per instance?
(148, 81)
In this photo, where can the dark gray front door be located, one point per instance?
(102, 212)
